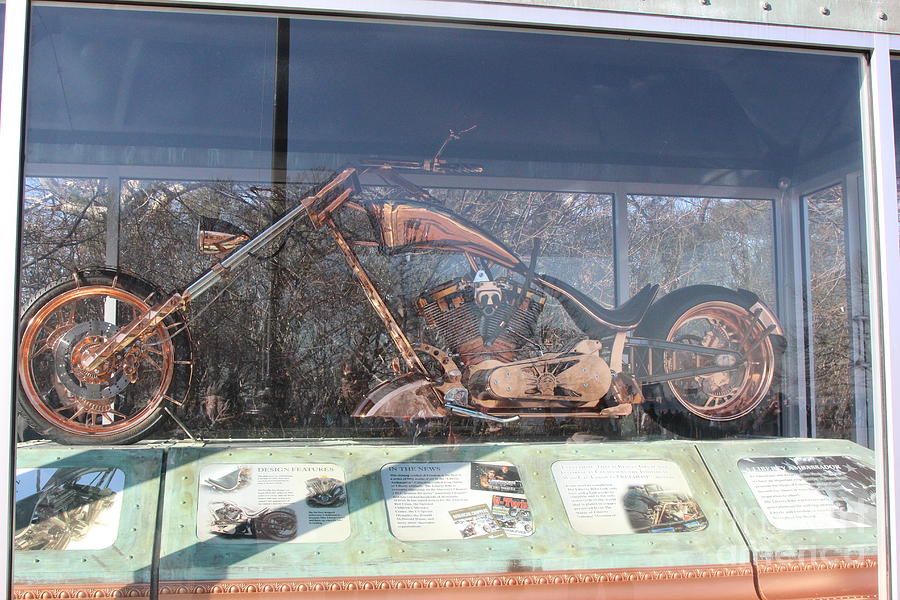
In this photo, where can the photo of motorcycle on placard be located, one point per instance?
(615, 497)
(652, 509)
(813, 492)
(231, 520)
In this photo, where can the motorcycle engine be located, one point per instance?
(482, 319)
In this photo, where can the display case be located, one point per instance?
(368, 302)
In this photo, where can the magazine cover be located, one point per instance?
(496, 478)
(513, 515)
(476, 522)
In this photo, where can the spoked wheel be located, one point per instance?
(278, 525)
(120, 400)
(717, 392)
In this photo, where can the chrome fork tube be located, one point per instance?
(236, 258)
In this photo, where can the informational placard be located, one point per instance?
(812, 492)
(275, 503)
(612, 497)
(71, 508)
(451, 501)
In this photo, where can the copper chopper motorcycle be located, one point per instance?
(102, 355)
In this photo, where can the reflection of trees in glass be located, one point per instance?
(830, 316)
(63, 228)
(678, 241)
(332, 348)
(575, 234)
(158, 240)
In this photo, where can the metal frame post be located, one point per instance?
(883, 245)
(12, 124)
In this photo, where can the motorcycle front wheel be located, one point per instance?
(720, 403)
(122, 400)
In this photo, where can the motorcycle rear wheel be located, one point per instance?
(278, 525)
(718, 404)
(69, 405)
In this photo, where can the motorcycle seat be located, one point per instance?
(593, 319)
(227, 482)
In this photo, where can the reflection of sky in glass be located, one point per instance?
(557, 99)
(125, 86)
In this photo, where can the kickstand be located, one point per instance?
(182, 425)
(416, 428)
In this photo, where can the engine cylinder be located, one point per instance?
(462, 325)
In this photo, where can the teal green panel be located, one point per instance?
(766, 540)
(129, 558)
(372, 549)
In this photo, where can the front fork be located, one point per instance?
(318, 206)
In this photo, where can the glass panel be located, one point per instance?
(474, 208)
(579, 107)
(63, 228)
(678, 241)
(2, 31)
(278, 328)
(830, 311)
(149, 88)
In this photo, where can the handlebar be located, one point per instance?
(427, 166)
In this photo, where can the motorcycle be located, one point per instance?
(102, 356)
(232, 521)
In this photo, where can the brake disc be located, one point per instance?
(101, 384)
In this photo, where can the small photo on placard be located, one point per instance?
(614, 497)
(496, 478)
(68, 508)
(272, 503)
(476, 522)
(812, 492)
(452, 501)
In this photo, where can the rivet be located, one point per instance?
(766, 6)
(705, 2)
(825, 10)
(882, 15)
